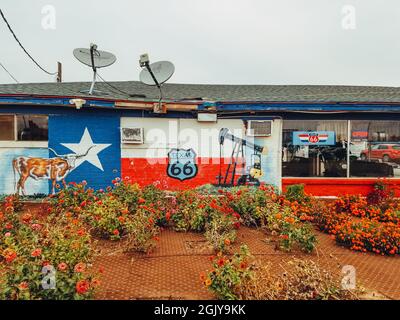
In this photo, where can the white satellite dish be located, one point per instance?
(95, 59)
(162, 72)
(101, 59)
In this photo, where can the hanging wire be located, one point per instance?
(119, 90)
(22, 47)
(9, 73)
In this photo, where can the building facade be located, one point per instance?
(334, 140)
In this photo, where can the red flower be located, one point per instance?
(82, 286)
(236, 225)
(220, 262)
(116, 232)
(167, 216)
(141, 200)
(10, 255)
(81, 232)
(36, 253)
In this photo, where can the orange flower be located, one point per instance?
(62, 266)
(23, 285)
(208, 282)
(80, 267)
(121, 219)
(227, 242)
(95, 282)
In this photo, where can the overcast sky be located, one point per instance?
(354, 42)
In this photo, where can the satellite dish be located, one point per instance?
(101, 59)
(95, 59)
(162, 71)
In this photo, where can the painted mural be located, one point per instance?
(93, 144)
(249, 171)
(38, 168)
(175, 154)
(10, 161)
(184, 153)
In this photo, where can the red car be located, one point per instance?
(386, 152)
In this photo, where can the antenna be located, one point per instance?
(155, 74)
(95, 59)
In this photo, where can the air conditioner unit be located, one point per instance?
(259, 128)
(132, 135)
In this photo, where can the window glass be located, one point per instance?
(7, 128)
(375, 149)
(32, 128)
(314, 148)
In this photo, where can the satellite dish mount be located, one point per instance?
(155, 74)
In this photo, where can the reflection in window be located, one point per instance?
(304, 156)
(32, 128)
(6, 128)
(375, 149)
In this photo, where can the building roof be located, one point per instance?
(218, 93)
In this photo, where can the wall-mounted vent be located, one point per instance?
(259, 128)
(132, 135)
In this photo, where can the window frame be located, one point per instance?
(22, 143)
(350, 140)
(348, 128)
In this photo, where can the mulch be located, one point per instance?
(172, 270)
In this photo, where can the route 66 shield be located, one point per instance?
(182, 164)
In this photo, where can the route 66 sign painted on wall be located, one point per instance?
(182, 164)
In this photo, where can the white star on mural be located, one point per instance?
(83, 146)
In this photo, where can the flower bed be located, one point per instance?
(44, 259)
(362, 224)
(242, 277)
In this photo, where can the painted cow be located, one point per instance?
(54, 169)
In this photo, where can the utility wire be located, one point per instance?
(9, 73)
(119, 90)
(22, 47)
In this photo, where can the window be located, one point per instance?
(23, 128)
(375, 149)
(314, 148)
(7, 128)
(32, 128)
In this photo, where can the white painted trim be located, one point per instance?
(24, 144)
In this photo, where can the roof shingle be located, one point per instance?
(219, 93)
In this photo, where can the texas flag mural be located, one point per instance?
(318, 138)
(92, 142)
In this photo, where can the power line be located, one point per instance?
(20, 44)
(119, 90)
(9, 73)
